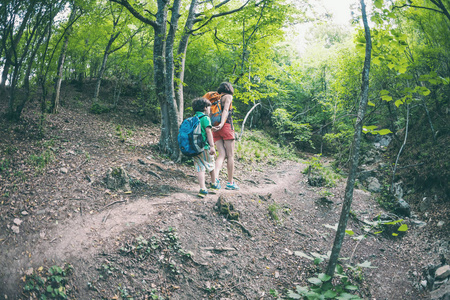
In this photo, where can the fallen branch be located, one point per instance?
(111, 204)
(220, 249)
(242, 226)
(154, 174)
(106, 217)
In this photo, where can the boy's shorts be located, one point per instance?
(204, 162)
(226, 133)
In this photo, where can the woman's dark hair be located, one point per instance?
(199, 104)
(225, 88)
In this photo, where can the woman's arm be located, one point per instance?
(226, 103)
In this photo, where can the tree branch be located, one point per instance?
(217, 15)
(415, 6)
(135, 13)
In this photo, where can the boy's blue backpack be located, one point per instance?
(190, 139)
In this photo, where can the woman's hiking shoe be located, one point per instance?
(231, 186)
(214, 187)
(202, 193)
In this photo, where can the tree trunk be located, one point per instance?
(159, 70)
(181, 59)
(174, 122)
(340, 233)
(62, 57)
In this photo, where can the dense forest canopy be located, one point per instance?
(164, 53)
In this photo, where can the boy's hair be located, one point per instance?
(225, 88)
(199, 104)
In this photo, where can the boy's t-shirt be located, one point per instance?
(205, 122)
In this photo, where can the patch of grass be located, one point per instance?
(255, 146)
(325, 174)
(4, 165)
(98, 108)
(41, 161)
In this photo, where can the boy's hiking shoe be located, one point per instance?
(202, 193)
(231, 186)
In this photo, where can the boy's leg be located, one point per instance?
(201, 179)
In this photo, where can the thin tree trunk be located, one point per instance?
(62, 57)
(181, 60)
(401, 148)
(340, 233)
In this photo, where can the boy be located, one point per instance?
(205, 161)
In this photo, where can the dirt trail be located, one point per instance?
(58, 227)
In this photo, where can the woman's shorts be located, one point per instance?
(226, 133)
(204, 162)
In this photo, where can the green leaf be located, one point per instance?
(384, 92)
(346, 296)
(384, 131)
(315, 281)
(370, 103)
(386, 98)
(293, 295)
(351, 287)
(378, 3)
(404, 227)
(398, 102)
(330, 294)
(335, 225)
(349, 232)
(318, 261)
(324, 277)
(303, 254)
(49, 289)
(302, 290)
(395, 234)
(402, 70)
(424, 91)
(339, 269)
(366, 264)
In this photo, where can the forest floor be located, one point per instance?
(161, 240)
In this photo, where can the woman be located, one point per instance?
(223, 135)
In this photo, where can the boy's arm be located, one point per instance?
(209, 136)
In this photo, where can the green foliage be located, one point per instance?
(322, 287)
(50, 284)
(289, 130)
(98, 108)
(324, 175)
(255, 146)
(42, 160)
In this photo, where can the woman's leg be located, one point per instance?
(221, 157)
(229, 148)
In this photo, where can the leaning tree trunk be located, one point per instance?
(340, 233)
(103, 67)
(62, 57)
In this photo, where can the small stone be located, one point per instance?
(15, 229)
(17, 221)
(64, 170)
(423, 283)
(443, 272)
(24, 213)
(440, 223)
(277, 274)
(29, 272)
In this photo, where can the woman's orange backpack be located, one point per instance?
(216, 107)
